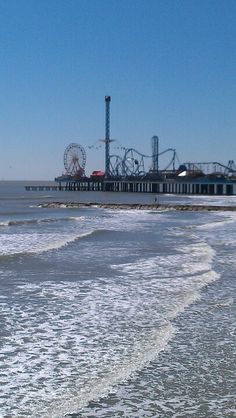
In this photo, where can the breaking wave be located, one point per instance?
(39, 221)
(35, 243)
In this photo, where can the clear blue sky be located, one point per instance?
(169, 65)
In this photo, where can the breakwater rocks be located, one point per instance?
(128, 206)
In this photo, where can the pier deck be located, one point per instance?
(34, 188)
(205, 186)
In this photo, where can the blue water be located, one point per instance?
(113, 313)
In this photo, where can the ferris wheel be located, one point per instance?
(74, 160)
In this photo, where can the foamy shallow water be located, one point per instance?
(116, 314)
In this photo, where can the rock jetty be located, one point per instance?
(128, 206)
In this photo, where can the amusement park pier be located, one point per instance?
(129, 172)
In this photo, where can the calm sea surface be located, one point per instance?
(112, 313)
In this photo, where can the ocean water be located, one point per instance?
(113, 313)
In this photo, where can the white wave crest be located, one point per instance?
(96, 387)
(36, 243)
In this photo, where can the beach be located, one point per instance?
(110, 311)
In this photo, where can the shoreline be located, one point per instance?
(130, 206)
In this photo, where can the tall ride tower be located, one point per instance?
(107, 136)
(155, 152)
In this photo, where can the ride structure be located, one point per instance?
(107, 139)
(74, 159)
(135, 171)
(155, 154)
(133, 163)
